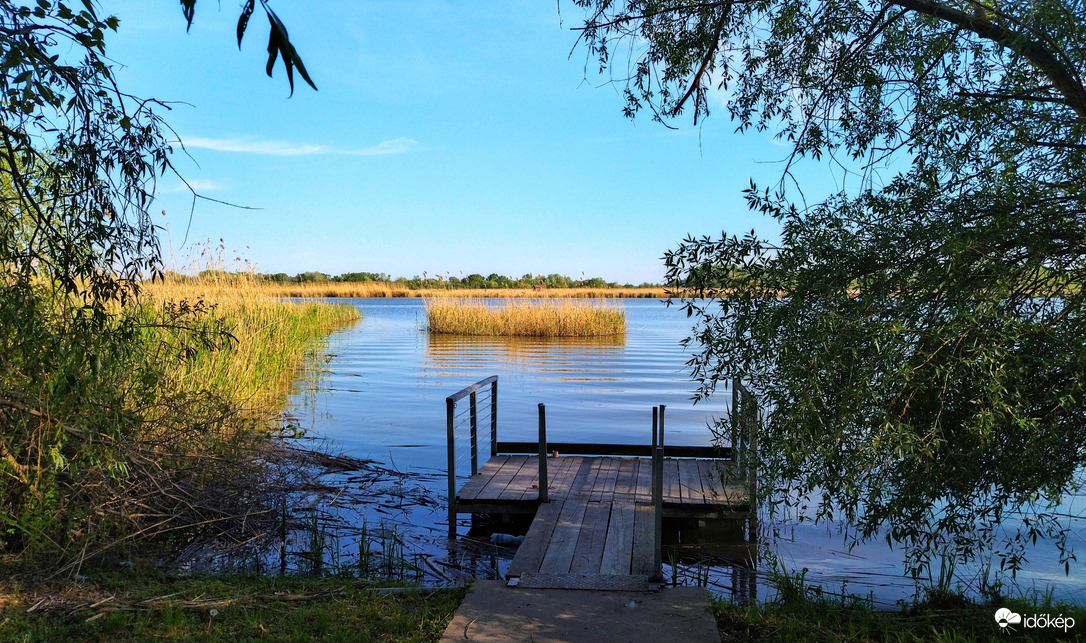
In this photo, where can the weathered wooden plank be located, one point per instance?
(521, 483)
(564, 472)
(603, 489)
(584, 478)
(563, 541)
(501, 479)
(618, 549)
(710, 481)
(672, 492)
(477, 482)
(600, 582)
(626, 482)
(590, 543)
(556, 468)
(530, 554)
(732, 495)
(644, 545)
(644, 482)
(717, 492)
(690, 483)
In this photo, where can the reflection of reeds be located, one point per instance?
(525, 318)
(560, 358)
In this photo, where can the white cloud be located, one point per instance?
(283, 148)
(199, 185)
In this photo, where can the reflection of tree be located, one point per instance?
(574, 354)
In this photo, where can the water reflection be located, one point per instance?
(384, 400)
(571, 359)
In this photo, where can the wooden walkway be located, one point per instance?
(597, 530)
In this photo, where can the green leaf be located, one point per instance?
(188, 8)
(273, 52)
(243, 19)
(279, 43)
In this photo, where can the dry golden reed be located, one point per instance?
(525, 318)
(274, 337)
(385, 289)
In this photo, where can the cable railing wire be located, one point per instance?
(480, 394)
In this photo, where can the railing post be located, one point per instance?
(751, 416)
(494, 418)
(544, 495)
(450, 415)
(474, 432)
(658, 493)
(739, 441)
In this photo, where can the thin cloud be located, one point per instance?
(199, 185)
(282, 148)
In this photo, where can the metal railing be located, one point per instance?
(488, 385)
(658, 492)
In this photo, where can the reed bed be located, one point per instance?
(144, 426)
(524, 318)
(267, 339)
(385, 289)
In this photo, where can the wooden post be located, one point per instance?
(544, 495)
(739, 440)
(474, 426)
(661, 442)
(450, 415)
(658, 493)
(752, 466)
(494, 418)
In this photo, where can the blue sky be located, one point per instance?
(445, 137)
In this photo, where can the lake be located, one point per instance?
(382, 397)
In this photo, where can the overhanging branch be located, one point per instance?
(1063, 79)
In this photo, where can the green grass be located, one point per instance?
(233, 608)
(148, 605)
(524, 318)
(817, 620)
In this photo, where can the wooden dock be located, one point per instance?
(599, 523)
(599, 509)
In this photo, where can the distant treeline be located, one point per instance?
(440, 281)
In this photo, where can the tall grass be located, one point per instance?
(526, 318)
(269, 339)
(142, 426)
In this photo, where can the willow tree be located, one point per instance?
(79, 161)
(918, 341)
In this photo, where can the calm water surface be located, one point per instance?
(384, 398)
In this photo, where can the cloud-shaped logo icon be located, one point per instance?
(1006, 618)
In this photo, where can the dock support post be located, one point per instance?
(494, 418)
(752, 468)
(745, 422)
(474, 431)
(450, 410)
(658, 493)
(544, 495)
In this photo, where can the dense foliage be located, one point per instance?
(102, 443)
(918, 340)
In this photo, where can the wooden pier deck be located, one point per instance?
(598, 510)
(597, 530)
